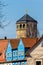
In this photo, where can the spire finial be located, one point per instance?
(26, 11)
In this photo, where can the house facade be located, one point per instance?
(9, 52)
(15, 50)
(16, 54)
(36, 54)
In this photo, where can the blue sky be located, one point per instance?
(16, 9)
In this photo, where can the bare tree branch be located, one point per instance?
(1, 15)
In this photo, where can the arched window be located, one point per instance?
(17, 26)
(23, 25)
(20, 25)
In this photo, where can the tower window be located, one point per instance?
(17, 26)
(23, 25)
(20, 26)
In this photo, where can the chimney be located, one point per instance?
(5, 38)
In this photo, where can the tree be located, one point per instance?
(2, 5)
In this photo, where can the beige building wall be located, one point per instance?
(21, 33)
(36, 55)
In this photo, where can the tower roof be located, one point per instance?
(26, 18)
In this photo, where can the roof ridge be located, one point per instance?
(25, 18)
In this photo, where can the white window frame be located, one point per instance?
(38, 60)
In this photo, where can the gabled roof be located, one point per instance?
(35, 45)
(3, 46)
(14, 43)
(28, 43)
(26, 18)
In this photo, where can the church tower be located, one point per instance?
(26, 26)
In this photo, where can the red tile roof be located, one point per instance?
(28, 42)
(41, 38)
(14, 43)
(3, 46)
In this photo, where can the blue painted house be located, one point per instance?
(13, 54)
(9, 52)
(21, 50)
(17, 50)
